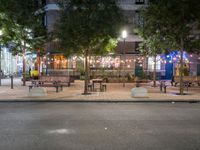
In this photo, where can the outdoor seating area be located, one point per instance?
(64, 80)
(58, 86)
(51, 81)
(111, 91)
(97, 84)
(188, 80)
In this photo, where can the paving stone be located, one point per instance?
(115, 92)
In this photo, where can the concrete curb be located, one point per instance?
(101, 101)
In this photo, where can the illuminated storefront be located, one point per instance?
(57, 61)
(13, 65)
(9, 64)
(169, 65)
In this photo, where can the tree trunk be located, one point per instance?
(39, 65)
(89, 71)
(181, 68)
(146, 67)
(86, 74)
(24, 65)
(154, 73)
(1, 72)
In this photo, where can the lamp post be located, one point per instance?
(124, 36)
(1, 73)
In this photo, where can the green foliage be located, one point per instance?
(153, 45)
(105, 48)
(88, 26)
(175, 20)
(21, 22)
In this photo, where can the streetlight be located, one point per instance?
(124, 36)
(1, 33)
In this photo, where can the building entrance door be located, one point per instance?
(168, 71)
(138, 71)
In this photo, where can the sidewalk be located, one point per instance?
(115, 93)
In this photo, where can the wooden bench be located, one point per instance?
(46, 83)
(189, 80)
(63, 80)
(57, 86)
(198, 80)
(51, 81)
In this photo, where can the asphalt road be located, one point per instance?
(99, 126)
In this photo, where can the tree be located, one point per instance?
(23, 29)
(89, 28)
(152, 46)
(177, 22)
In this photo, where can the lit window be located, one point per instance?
(151, 63)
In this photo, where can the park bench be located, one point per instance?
(57, 86)
(51, 81)
(187, 80)
(63, 80)
(198, 80)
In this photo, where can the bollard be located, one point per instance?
(1, 75)
(11, 77)
(161, 86)
(165, 88)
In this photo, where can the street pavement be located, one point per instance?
(115, 93)
(99, 126)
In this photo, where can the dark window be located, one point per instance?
(138, 19)
(43, 2)
(137, 47)
(40, 3)
(139, 1)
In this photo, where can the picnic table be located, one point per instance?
(100, 84)
(42, 83)
(188, 80)
(51, 81)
